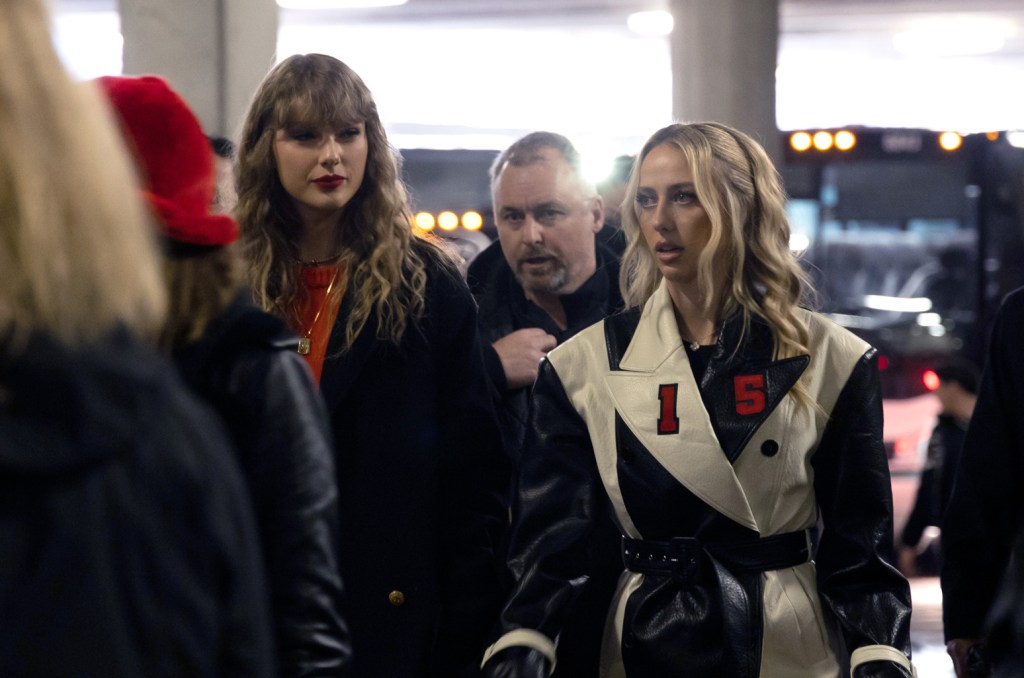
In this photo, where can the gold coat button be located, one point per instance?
(396, 598)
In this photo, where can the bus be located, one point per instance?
(912, 238)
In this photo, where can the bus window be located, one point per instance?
(893, 247)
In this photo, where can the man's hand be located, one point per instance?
(958, 649)
(521, 353)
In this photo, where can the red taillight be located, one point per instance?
(930, 380)
(883, 363)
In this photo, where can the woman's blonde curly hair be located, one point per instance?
(741, 191)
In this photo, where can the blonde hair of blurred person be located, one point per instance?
(144, 512)
(78, 255)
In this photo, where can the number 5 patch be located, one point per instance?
(749, 391)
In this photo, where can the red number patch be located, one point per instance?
(668, 422)
(749, 390)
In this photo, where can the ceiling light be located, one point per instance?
(800, 141)
(950, 141)
(650, 23)
(899, 304)
(953, 36)
(337, 4)
(845, 140)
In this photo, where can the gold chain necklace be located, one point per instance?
(306, 342)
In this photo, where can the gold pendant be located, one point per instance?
(304, 346)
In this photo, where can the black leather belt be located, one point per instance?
(681, 557)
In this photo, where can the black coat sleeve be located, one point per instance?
(856, 576)
(984, 511)
(287, 457)
(558, 498)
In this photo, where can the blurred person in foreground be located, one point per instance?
(127, 543)
(389, 328)
(719, 421)
(242, 361)
(983, 521)
(957, 393)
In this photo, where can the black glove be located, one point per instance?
(977, 661)
(517, 662)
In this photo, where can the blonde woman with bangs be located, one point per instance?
(127, 539)
(721, 423)
(389, 330)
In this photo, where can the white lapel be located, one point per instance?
(693, 456)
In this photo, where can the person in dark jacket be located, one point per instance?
(553, 271)
(388, 326)
(957, 392)
(719, 421)
(242, 361)
(548, 275)
(127, 541)
(983, 520)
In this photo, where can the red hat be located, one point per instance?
(175, 157)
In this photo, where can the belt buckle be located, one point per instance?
(685, 558)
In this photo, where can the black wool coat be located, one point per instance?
(421, 471)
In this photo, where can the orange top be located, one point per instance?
(318, 312)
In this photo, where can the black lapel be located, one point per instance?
(739, 395)
(618, 332)
(341, 368)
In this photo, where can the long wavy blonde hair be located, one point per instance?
(77, 253)
(741, 191)
(384, 260)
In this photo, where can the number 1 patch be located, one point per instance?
(749, 390)
(668, 422)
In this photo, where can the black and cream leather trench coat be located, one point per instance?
(718, 487)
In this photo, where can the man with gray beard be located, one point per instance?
(553, 271)
(548, 276)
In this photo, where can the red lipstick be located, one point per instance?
(329, 182)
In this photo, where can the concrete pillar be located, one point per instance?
(213, 52)
(724, 54)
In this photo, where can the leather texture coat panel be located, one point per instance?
(246, 366)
